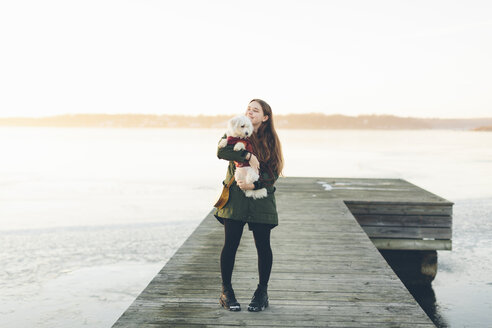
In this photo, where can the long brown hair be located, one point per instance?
(266, 142)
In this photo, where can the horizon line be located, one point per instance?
(214, 115)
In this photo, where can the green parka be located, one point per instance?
(242, 208)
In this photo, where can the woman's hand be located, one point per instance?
(245, 186)
(253, 162)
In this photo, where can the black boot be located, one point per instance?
(228, 299)
(260, 299)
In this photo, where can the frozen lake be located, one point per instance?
(89, 216)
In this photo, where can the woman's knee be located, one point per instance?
(262, 239)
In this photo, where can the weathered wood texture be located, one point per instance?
(396, 214)
(326, 272)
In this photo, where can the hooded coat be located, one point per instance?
(242, 208)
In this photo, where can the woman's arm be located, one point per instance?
(229, 154)
(266, 181)
(256, 185)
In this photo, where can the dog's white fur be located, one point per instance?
(241, 127)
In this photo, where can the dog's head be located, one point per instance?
(239, 127)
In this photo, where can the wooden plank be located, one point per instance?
(443, 221)
(399, 209)
(411, 244)
(407, 232)
(349, 189)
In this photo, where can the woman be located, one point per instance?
(260, 214)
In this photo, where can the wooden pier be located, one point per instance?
(326, 271)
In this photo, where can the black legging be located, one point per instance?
(233, 232)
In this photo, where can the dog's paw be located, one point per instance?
(256, 194)
(239, 146)
(260, 193)
(223, 143)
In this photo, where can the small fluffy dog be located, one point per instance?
(239, 129)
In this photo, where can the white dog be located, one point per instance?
(239, 129)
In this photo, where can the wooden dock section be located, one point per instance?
(326, 271)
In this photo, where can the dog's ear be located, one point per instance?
(245, 121)
(231, 126)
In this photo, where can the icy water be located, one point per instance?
(89, 216)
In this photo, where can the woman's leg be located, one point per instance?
(262, 240)
(265, 256)
(233, 232)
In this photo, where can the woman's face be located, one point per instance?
(255, 113)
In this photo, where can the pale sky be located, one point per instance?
(406, 58)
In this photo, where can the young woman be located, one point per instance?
(260, 214)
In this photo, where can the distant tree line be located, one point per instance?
(321, 121)
(483, 128)
(290, 121)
